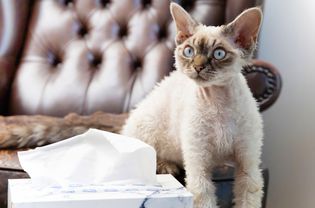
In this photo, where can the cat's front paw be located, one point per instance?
(166, 167)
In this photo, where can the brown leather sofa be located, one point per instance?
(83, 56)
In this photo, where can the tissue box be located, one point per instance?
(168, 193)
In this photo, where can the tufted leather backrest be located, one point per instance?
(88, 55)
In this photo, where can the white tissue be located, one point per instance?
(94, 157)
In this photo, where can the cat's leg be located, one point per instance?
(167, 167)
(248, 178)
(197, 160)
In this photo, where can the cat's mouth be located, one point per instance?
(200, 78)
(205, 76)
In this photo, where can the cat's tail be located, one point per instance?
(34, 131)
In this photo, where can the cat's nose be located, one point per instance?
(200, 62)
(199, 68)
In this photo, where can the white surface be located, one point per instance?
(91, 158)
(288, 42)
(169, 193)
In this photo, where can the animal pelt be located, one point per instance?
(39, 130)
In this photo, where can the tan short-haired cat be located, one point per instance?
(204, 114)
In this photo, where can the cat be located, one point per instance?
(203, 114)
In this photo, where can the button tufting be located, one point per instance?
(95, 59)
(123, 31)
(146, 3)
(186, 4)
(137, 64)
(80, 29)
(102, 3)
(66, 2)
(53, 59)
(162, 33)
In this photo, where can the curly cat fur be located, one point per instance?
(202, 124)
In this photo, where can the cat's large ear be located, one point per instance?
(185, 24)
(245, 28)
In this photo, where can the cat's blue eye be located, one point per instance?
(188, 51)
(219, 54)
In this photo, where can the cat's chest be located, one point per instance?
(219, 129)
(214, 105)
(213, 119)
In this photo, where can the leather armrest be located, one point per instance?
(265, 82)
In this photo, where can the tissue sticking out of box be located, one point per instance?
(95, 157)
